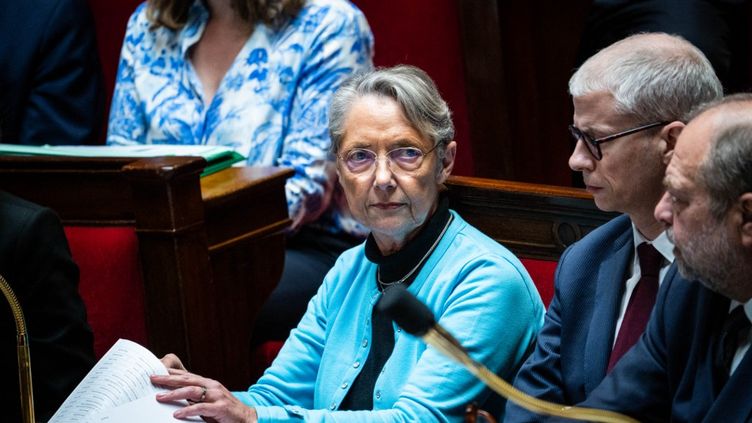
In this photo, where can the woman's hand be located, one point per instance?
(171, 361)
(207, 398)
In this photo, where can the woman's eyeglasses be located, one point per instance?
(400, 160)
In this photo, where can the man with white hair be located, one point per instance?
(693, 364)
(631, 101)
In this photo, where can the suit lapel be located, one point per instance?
(609, 289)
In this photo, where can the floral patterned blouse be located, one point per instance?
(271, 105)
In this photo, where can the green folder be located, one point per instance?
(217, 157)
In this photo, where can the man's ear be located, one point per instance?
(669, 135)
(447, 161)
(745, 201)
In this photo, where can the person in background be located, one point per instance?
(37, 264)
(256, 76)
(630, 104)
(51, 88)
(393, 138)
(720, 29)
(694, 362)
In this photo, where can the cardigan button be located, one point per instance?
(344, 385)
(332, 406)
(378, 395)
(356, 364)
(365, 343)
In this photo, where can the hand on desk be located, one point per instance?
(208, 398)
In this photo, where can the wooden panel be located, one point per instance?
(245, 214)
(61, 184)
(532, 220)
(243, 202)
(211, 249)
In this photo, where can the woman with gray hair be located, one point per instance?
(256, 76)
(392, 136)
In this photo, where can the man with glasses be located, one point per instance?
(630, 102)
(694, 362)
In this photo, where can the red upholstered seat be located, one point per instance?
(110, 284)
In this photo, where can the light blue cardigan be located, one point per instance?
(476, 288)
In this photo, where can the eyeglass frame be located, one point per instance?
(386, 156)
(594, 144)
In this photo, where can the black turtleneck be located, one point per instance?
(392, 268)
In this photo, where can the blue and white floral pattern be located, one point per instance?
(271, 105)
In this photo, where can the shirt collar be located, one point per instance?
(194, 27)
(661, 243)
(747, 308)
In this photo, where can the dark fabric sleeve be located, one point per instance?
(65, 103)
(541, 375)
(39, 268)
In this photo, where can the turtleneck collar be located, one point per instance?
(395, 266)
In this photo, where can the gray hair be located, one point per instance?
(726, 173)
(653, 77)
(410, 87)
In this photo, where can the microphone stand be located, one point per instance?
(440, 339)
(415, 318)
(22, 350)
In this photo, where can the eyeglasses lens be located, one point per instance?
(578, 135)
(360, 160)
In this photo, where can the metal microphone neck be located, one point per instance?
(22, 351)
(443, 341)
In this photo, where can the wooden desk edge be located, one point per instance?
(518, 187)
(232, 181)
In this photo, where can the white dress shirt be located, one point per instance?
(746, 342)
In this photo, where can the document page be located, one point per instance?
(120, 377)
(145, 409)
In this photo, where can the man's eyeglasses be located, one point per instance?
(400, 160)
(594, 144)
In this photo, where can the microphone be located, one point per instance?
(416, 319)
(22, 350)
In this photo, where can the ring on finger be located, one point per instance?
(202, 398)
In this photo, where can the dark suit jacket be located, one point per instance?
(36, 262)
(50, 80)
(668, 374)
(574, 345)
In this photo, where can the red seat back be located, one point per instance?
(111, 284)
(542, 273)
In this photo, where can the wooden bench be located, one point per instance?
(208, 251)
